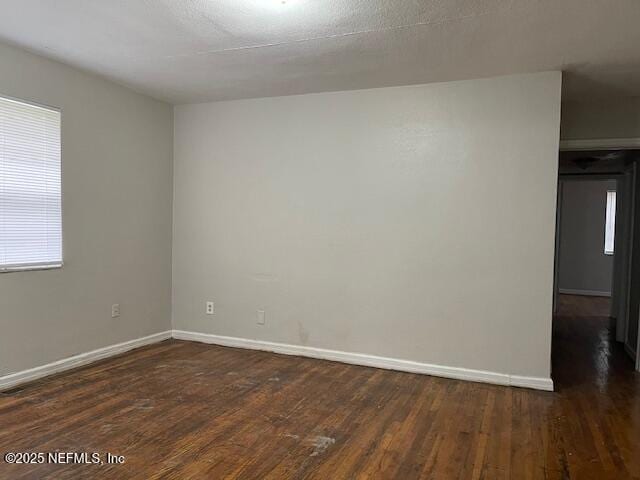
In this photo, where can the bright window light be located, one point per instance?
(30, 196)
(610, 223)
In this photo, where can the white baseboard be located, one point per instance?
(537, 383)
(14, 379)
(589, 293)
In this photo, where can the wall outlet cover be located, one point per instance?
(210, 308)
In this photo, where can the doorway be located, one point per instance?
(596, 307)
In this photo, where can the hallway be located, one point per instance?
(595, 381)
(585, 353)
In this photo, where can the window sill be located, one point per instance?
(30, 268)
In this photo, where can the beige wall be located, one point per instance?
(597, 119)
(117, 171)
(395, 222)
(412, 222)
(583, 265)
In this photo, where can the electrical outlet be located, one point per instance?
(210, 308)
(261, 317)
(115, 310)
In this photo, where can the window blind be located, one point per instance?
(30, 193)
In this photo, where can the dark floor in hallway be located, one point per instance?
(583, 306)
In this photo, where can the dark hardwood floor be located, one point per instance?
(180, 410)
(583, 306)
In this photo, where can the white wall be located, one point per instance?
(117, 171)
(583, 265)
(413, 222)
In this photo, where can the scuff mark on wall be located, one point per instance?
(303, 334)
(264, 277)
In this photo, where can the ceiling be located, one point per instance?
(185, 51)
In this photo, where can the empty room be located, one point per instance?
(304, 239)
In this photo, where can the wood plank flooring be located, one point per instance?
(583, 306)
(181, 410)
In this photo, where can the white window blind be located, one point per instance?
(610, 223)
(30, 201)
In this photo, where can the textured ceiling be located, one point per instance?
(187, 51)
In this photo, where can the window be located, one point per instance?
(610, 223)
(30, 203)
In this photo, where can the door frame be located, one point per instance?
(623, 314)
(600, 144)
